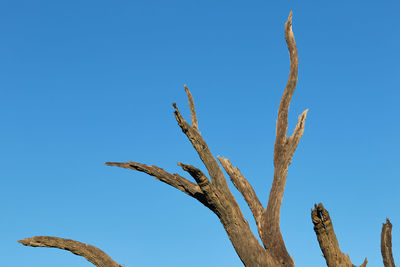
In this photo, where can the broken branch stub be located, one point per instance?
(327, 240)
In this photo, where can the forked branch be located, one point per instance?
(89, 252)
(283, 152)
(198, 143)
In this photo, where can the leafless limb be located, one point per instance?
(215, 194)
(198, 143)
(244, 187)
(89, 252)
(283, 152)
(327, 240)
(386, 244)
(192, 109)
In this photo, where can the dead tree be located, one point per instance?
(213, 192)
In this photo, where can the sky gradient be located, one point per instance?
(85, 82)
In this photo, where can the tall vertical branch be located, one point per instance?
(283, 151)
(282, 122)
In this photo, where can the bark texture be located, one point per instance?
(89, 252)
(329, 244)
(386, 244)
(327, 240)
(212, 189)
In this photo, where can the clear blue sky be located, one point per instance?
(84, 82)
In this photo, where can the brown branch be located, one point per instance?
(294, 140)
(198, 143)
(199, 176)
(174, 180)
(244, 187)
(283, 152)
(386, 244)
(192, 109)
(89, 252)
(327, 240)
(282, 122)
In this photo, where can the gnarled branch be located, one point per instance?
(89, 252)
(327, 240)
(386, 244)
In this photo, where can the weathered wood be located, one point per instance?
(386, 244)
(327, 240)
(283, 152)
(89, 252)
(214, 193)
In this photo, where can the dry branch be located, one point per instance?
(244, 187)
(198, 143)
(327, 240)
(199, 176)
(160, 174)
(192, 109)
(283, 151)
(386, 244)
(89, 252)
(216, 195)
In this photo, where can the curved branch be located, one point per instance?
(89, 252)
(282, 122)
(199, 176)
(327, 240)
(174, 180)
(386, 244)
(283, 151)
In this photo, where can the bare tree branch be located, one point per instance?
(282, 122)
(244, 187)
(386, 244)
(199, 176)
(198, 143)
(89, 252)
(327, 240)
(192, 109)
(283, 152)
(294, 140)
(174, 180)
